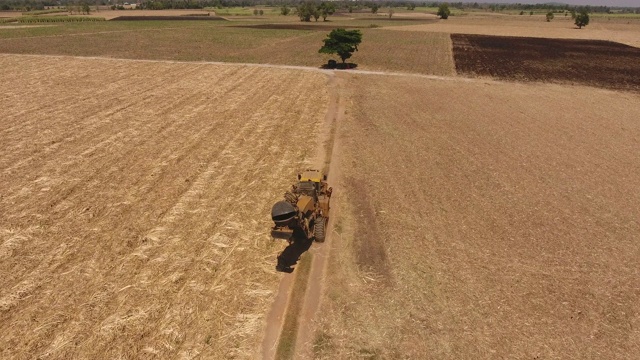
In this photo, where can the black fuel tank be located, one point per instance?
(283, 212)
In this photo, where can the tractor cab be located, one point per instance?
(309, 182)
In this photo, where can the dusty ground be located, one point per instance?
(588, 62)
(485, 220)
(133, 203)
(624, 31)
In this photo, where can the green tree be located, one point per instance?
(443, 11)
(284, 10)
(390, 13)
(374, 8)
(550, 16)
(326, 9)
(342, 42)
(305, 11)
(582, 19)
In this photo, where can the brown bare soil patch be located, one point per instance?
(133, 203)
(368, 241)
(510, 218)
(589, 62)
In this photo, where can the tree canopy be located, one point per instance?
(308, 10)
(326, 9)
(443, 11)
(582, 19)
(342, 42)
(549, 16)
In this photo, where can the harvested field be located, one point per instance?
(167, 13)
(484, 220)
(186, 41)
(416, 19)
(133, 203)
(624, 31)
(417, 52)
(290, 26)
(168, 18)
(380, 50)
(588, 62)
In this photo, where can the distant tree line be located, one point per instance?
(341, 6)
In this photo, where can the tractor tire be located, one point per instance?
(319, 229)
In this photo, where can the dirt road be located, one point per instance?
(322, 160)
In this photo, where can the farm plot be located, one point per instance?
(589, 62)
(133, 203)
(624, 31)
(483, 219)
(381, 50)
(419, 52)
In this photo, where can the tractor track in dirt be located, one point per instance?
(311, 304)
(326, 152)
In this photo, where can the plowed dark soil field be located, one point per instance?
(589, 62)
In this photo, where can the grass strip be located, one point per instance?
(287, 343)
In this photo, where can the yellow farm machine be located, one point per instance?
(303, 214)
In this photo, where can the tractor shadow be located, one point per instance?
(289, 257)
(333, 65)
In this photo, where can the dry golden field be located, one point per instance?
(484, 220)
(625, 31)
(135, 200)
(417, 52)
(108, 14)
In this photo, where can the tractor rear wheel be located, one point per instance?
(319, 229)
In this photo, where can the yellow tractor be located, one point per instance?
(304, 212)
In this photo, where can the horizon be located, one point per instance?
(609, 3)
